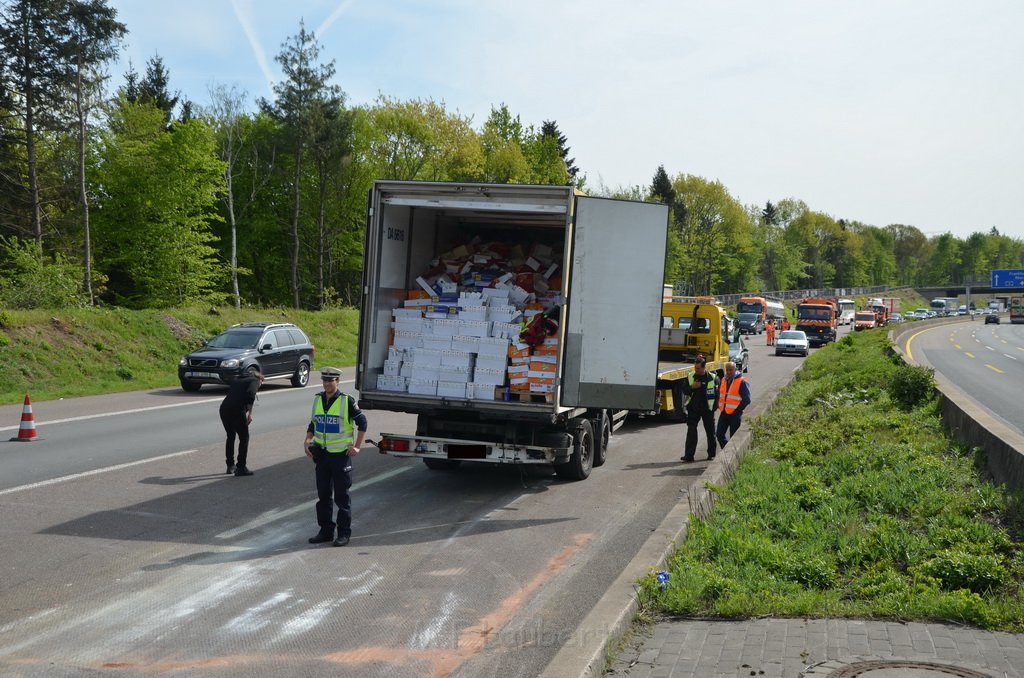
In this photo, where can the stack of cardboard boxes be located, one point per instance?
(457, 333)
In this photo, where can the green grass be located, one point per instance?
(853, 503)
(77, 352)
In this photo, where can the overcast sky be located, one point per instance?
(881, 111)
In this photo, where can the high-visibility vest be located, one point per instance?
(332, 429)
(709, 390)
(729, 398)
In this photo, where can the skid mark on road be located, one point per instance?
(473, 639)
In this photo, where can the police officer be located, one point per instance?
(330, 444)
(701, 391)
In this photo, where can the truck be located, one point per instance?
(754, 312)
(883, 307)
(847, 307)
(864, 320)
(691, 327)
(818, 318)
(944, 306)
(519, 323)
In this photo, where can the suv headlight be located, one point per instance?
(232, 362)
(183, 361)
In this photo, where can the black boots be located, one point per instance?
(340, 541)
(231, 467)
(322, 536)
(242, 471)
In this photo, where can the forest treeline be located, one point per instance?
(128, 194)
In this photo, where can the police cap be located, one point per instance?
(330, 373)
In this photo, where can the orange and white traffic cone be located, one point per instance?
(27, 431)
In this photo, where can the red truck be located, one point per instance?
(818, 318)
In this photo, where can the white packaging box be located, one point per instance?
(541, 251)
(421, 373)
(396, 353)
(459, 374)
(473, 312)
(549, 359)
(533, 263)
(542, 388)
(493, 346)
(449, 328)
(492, 362)
(456, 359)
(406, 312)
(466, 344)
(495, 293)
(423, 387)
(471, 299)
(474, 328)
(389, 383)
(516, 371)
(418, 304)
(437, 343)
(522, 361)
(412, 324)
(425, 286)
(447, 286)
(508, 330)
(426, 357)
(483, 391)
(502, 314)
(406, 371)
(452, 389)
(405, 339)
(482, 375)
(392, 368)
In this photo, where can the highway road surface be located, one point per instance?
(128, 551)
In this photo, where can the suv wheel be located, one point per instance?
(301, 376)
(190, 386)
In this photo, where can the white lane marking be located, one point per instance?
(990, 348)
(277, 514)
(52, 481)
(141, 409)
(1011, 357)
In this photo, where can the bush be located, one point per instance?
(911, 386)
(958, 569)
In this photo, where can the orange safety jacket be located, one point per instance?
(729, 395)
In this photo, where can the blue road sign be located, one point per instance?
(1008, 278)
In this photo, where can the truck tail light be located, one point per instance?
(392, 445)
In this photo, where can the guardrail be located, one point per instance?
(967, 421)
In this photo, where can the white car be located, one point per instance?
(792, 341)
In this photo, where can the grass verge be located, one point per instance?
(89, 351)
(853, 503)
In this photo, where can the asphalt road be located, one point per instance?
(986, 362)
(127, 551)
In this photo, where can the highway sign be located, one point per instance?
(1008, 278)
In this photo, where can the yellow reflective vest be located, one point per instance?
(333, 429)
(709, 392)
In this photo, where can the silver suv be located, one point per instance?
(277, 349)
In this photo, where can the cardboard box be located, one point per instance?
(425, 373)
(402, 312)
(392, 368)
(492, 362)
(542, 366)
(426, 357)
(437, 343)
(542, 388)
(452, 389)
(547, 350)
(473, 313)
(482, 375)
(412, 324)
(466, 344)
(405, 339)
(508, 330)
(483, 391)
(475, 328)
(493, 346)
(448, 328)
(423, 387)
(453, 374)
(502, 314)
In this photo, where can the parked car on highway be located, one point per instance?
(992, 319)
(792, 341)
(739, 354)
(277, 349)
(896, 318)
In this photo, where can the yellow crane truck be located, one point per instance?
(690, 326)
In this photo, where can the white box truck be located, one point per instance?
(603, 356)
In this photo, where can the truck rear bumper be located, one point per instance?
(398, 445)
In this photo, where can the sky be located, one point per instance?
(878, 111)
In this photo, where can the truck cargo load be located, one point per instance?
(519, 323)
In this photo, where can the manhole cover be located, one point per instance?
(904, 669)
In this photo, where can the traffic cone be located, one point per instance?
(27, 431)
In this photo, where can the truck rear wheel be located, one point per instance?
(580, 463)
(603, 428)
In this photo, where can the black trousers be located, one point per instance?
(694, 417)
(334, 477)
(730, 423)
(235, 424)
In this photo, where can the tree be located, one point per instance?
(153, 88)
(158, 199)
(661, 187)
(32, 39)
(94, 37)
(299, 98)
(550, 129)
(502, 140)
(545, 158)
(910, 250)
